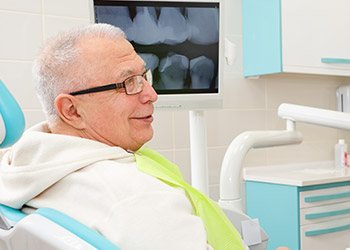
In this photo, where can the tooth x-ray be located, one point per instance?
(179, 41)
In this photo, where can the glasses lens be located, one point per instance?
(148, 76)
(134, 85)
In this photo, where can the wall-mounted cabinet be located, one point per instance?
(296, 36)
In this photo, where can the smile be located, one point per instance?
(148, 119)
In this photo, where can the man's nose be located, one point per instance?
(148, 93)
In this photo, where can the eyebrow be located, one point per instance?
(125, 73)
(129, 72)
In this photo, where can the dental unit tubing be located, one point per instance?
(323, 117)
(230, 184)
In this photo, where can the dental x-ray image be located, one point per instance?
(179, 41)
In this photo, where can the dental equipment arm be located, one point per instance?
(322, 117)
(230, 177)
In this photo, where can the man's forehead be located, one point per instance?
(132, 71)
(116, 53)
(103, 45)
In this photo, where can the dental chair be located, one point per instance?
(46, 228)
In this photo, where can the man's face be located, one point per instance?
(113, 117)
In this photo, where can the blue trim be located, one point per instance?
(335, 60)
(325, 197)
(262, 33)
(82, 231)
(327, 214)
(12, 115)
(12, 214)
(327, 230)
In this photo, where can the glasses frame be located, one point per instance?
(115, 86)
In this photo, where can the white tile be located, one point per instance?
(183, 161)
(233, 17)
(343, 134)
(68, 8)
(181, 129)
(53, 24)
(169, 154)
(310, 90)
(17, 76)
(223, 126)
(305, 152)
(32, 6)
(241, 93)
(215, 158)
(33, 117)
(21, 35)
(163, 131)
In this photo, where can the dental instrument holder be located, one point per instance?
(230, 176)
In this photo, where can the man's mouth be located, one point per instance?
(148, 118)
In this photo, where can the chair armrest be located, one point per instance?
(82, 231)
(12, 214)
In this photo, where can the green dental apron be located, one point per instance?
(221, 234)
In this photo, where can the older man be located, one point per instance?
(98, 100)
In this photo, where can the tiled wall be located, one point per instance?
(248, 104)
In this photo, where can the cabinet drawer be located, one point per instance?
(325, 236)
(324, 196)
(324, 213)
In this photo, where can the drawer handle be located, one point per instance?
(335, 60)
(327, 230)
(327, 214)
(326, 197)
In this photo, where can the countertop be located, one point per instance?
(304, 174)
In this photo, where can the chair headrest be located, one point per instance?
(11, 118)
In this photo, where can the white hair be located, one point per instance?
(55, 70)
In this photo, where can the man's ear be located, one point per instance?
(67, 107)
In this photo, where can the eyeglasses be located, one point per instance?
(132, 85)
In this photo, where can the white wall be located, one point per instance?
(248, 104)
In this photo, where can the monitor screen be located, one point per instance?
(179, 41)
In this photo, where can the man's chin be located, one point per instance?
(143, 140)
(149, 137)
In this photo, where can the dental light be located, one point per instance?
(230, 177)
